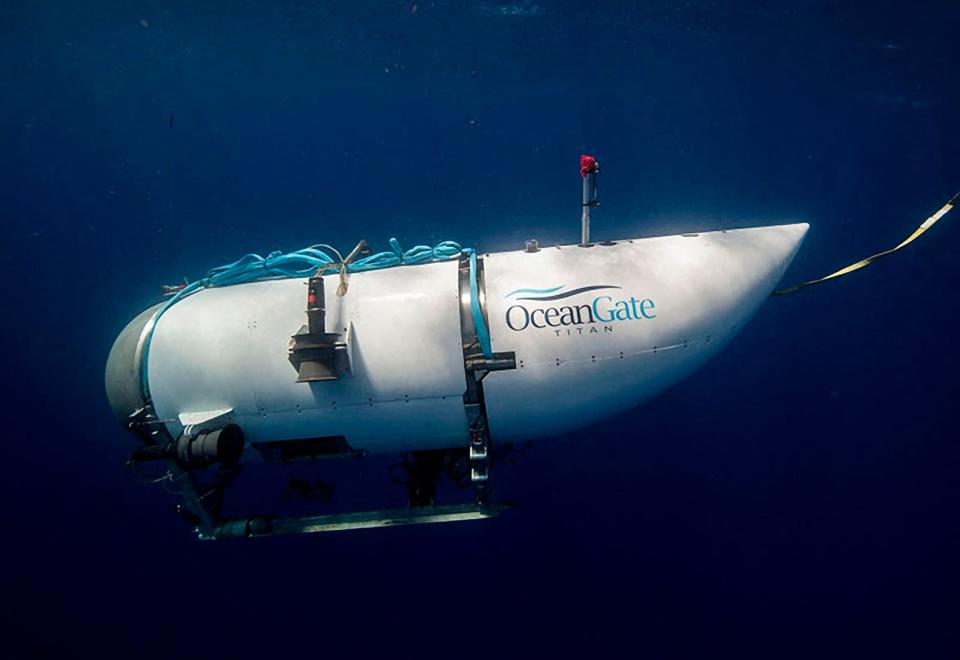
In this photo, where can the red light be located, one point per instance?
(588, 165)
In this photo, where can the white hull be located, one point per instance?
(658, 308)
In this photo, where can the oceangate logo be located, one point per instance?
(603, 310)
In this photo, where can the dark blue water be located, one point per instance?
(798, 497)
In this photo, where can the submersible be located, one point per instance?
(442, 360)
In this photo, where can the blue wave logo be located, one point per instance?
(545, 294)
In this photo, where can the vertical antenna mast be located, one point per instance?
(590, 172)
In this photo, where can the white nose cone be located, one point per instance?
(598, 329)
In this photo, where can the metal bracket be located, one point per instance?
(204, 417)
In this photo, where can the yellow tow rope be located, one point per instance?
(929, 222)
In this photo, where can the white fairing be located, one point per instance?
(402, 376)
(692, 294)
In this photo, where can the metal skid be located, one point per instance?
(264, 526)
(202, 503)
